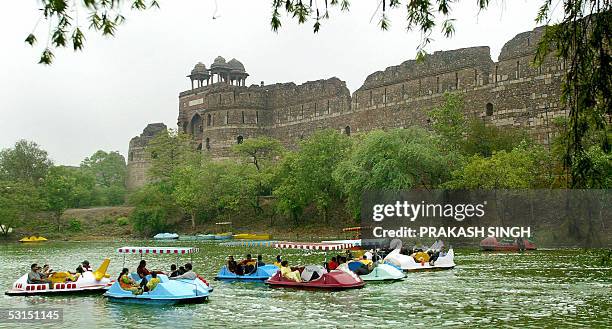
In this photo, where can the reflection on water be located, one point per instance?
(543, 288)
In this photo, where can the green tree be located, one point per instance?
(60, 191)
(393, 160)
(25, 162)
(521, 168)
(261, 152)
(448, 121)
(109, 168)
(169, 151)
(18, 200)
(582, 40)
(189, 192)
(307, 174)
(486, 139)
(154, 208)
(110, 171)
(258, 150)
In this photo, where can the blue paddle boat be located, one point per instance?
(261, 273)
(167, 291)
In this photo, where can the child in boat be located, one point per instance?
(152, 283)
(287, 273)
(278, 261)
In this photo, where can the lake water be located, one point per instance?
(544, 288)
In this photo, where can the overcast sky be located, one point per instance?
(105, 95)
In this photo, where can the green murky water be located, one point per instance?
(545, 288)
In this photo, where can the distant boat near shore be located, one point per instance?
(33, 239)
(166, 236)
(492, 244)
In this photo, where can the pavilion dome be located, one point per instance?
(236, 65)
(199, 68)
(219, 63)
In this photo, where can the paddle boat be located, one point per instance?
(65, 283)
(33, 239)
(261, 273)
(224, 236)
(408, 263)
(250, 236)
(166, 236)
(228, 235)
(492, 244)
(167, 291)
(198, 237)
(248, 243)
(323, 280)
(383, 272)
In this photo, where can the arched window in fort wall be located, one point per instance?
(347, 130)
(195, 126)
(239, 139)
(489, 109)
(209, 120)
(131, 156)
(207, 144)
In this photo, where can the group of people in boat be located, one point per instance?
(246, 266)
(39, 275)
(364, 265)
(144, 284)
(423, 255)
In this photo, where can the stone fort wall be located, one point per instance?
(509, 92)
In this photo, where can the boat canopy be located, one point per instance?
(156, 250)
(312, 245)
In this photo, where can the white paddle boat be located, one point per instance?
(65, 283)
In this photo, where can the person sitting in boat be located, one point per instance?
(46, 271)
(288, 274)
(86, 266)
(260, 261)
(189, 275)
(142, 272)
(367, 261)
(421, 256)
(342, 264)
(127, 283)
(278, 262)
(332, 264)
(232, 265)
(248, 264)
(173, 271)
(35, 276)
(153, 282)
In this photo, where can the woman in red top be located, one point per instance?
(332, 265)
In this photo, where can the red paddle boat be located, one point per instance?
(492, 244)
(323, 280)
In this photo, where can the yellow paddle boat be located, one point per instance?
(252, 236)
(33, 239)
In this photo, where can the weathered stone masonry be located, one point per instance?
(509, 92)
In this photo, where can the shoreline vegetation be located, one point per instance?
(312, 190)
